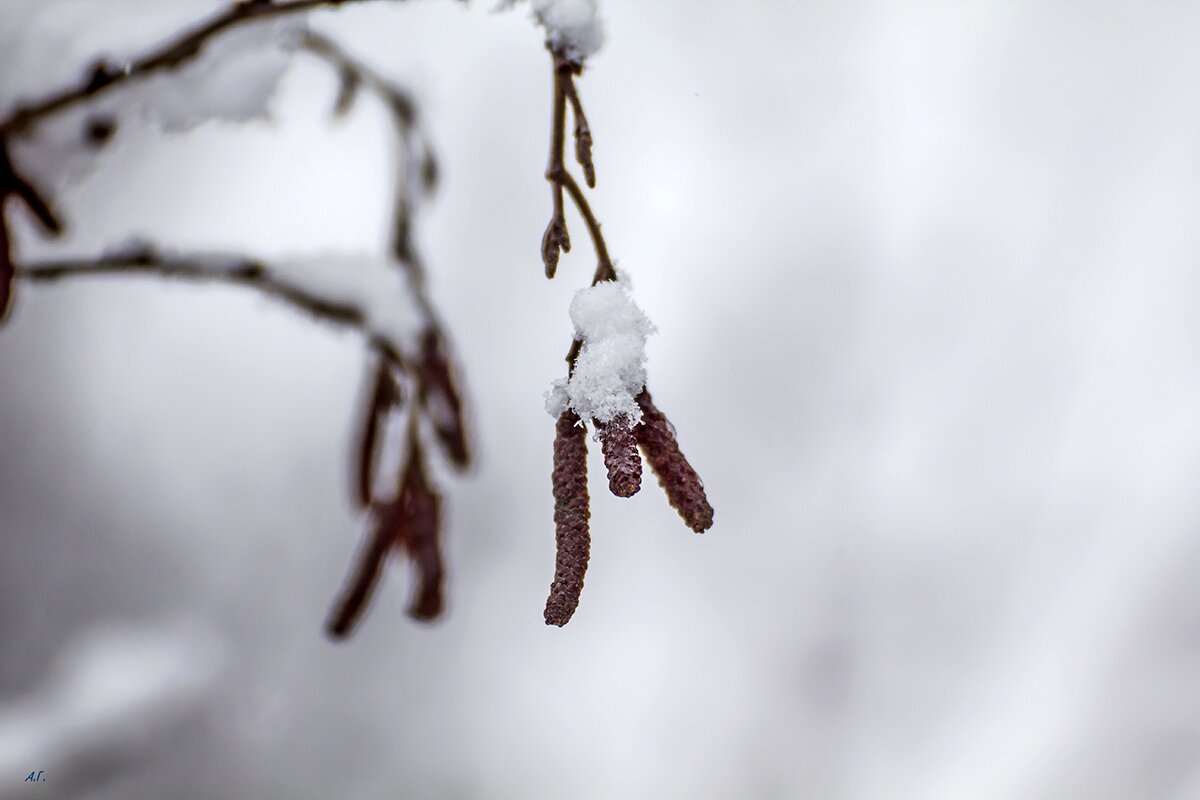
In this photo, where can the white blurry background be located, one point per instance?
(925, 276)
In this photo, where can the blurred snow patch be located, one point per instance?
(233, 78)
(113, 691)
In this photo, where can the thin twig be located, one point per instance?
(168, 55)
(240, 271)
(555, 237)
(437, 381)
(583, 133)
(415, 142)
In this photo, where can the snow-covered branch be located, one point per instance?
(176, 51)
(385, 300)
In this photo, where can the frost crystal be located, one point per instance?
(610, 370)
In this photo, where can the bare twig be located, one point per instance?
(556, 238)
(240, 271)
(583, 133)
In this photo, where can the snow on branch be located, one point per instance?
(226, 66)
(169, 55)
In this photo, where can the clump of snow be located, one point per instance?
(46, 46)
(233, 78)
(610, 371)
(573, 27)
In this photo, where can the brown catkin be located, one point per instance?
(570, 518)
(6, 267)
(348, 609)
(422, 541)
(438, 387)
(621, 457)
(684, 489)
(385, 395)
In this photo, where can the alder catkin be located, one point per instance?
(685, 491)
(349, 608)
(422, 540)
(442, 399)
(385, 395)
(570, 518)
(621, 457)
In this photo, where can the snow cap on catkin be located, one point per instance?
(610, 369)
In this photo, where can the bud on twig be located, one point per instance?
(570, 518)
(554, 240)
(583, 151)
